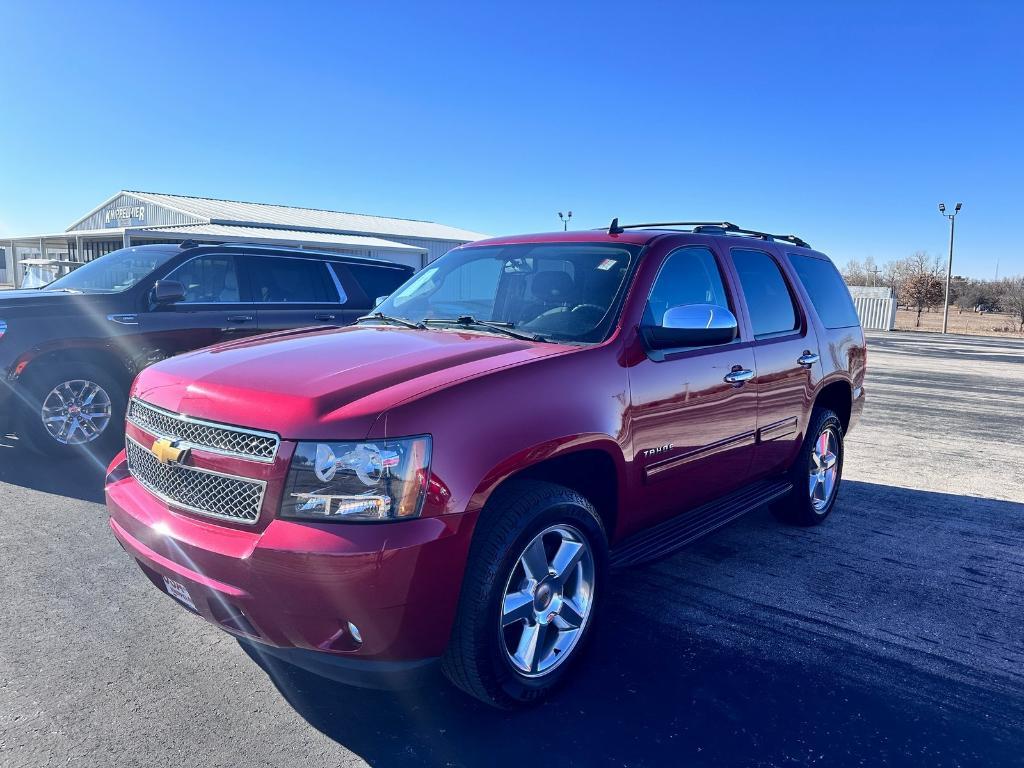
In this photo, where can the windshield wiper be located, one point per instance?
(470, 321)
(389, 319)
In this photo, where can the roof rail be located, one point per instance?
(714, 227)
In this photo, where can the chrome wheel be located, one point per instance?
(548, 600)
(76, 412)
(824, 469)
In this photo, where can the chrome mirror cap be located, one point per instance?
(692, 325)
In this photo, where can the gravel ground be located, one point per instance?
(889, 636)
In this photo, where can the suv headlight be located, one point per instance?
(361, 481)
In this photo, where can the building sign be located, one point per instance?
(133, 214)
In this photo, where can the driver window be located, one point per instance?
(209, 279)
(689, 276)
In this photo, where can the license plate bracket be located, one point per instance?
(180, 592)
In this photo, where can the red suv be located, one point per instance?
(453, 477)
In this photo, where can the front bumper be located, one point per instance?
(291, 588)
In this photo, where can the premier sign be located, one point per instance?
(126, 212)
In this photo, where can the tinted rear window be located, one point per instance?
(373, 281)
(768, 299)
(828, 292)
(279, 279)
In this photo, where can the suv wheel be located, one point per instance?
(816, 473)
(533, 581)
(73, 409)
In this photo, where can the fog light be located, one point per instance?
(354, 631)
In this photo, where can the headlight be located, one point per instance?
(370, 480)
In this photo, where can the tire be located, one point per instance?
(809, 504)
(52, 385)
(479, 658)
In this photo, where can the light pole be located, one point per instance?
(565, 220)
(949, 266)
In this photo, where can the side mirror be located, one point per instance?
(379, 300)
(168, 291)
(692, 325)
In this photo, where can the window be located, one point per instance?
(114, 272)
(828, 292)
(565, 291)
(374, 281)
(287, 280)
(768, 299)
(208, 279)
(688, 276)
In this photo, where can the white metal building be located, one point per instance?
(876, 307)
(131, 217)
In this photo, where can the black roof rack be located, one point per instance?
(707, 227)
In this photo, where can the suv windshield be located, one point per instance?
(558, 291)
(116, 271)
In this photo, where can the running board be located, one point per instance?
(677, 532)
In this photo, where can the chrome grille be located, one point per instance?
(205, 435)
(198, 490)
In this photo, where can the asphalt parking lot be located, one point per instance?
(890, 635)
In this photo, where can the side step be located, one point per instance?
(677, 532)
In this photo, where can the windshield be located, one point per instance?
(116, 271)
(559, 291)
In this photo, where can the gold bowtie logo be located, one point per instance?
(169, 452)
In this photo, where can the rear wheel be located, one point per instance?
(532, 584)
(73, 409)
(816, 473)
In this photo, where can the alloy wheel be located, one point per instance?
(76, 412)
(824, 469)
(548, 600)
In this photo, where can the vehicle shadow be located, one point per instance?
(762, 645)
(79, 478)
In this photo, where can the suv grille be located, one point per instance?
(205, 435)
(197, 490)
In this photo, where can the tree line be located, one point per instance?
(919, 283)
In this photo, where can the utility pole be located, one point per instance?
(565, 220)
(874, 275)
(949, 266)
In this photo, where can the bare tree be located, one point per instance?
(858, 272)
(1012, 299)
(919, 286)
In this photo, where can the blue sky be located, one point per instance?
(843, 123)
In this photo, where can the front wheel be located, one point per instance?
(816, 473)
(73, 409)
(532, 584)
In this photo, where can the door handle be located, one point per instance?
(807, 359)
(323, 316)
(738, 375)
(239, 318)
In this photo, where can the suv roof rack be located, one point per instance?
(707, 227)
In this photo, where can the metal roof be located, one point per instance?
(227, 232)
(230, 212)
(870, 292)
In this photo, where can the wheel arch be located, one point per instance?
(593, 467)
(837, 395)
(102, 356)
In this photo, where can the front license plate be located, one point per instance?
(179, 592)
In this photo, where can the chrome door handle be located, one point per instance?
(239, 318)
(807, 359)
(323, 316)
(736, 378)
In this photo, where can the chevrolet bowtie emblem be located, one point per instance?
(170, 451)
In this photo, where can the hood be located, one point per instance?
(31, 298)
(325, 384)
